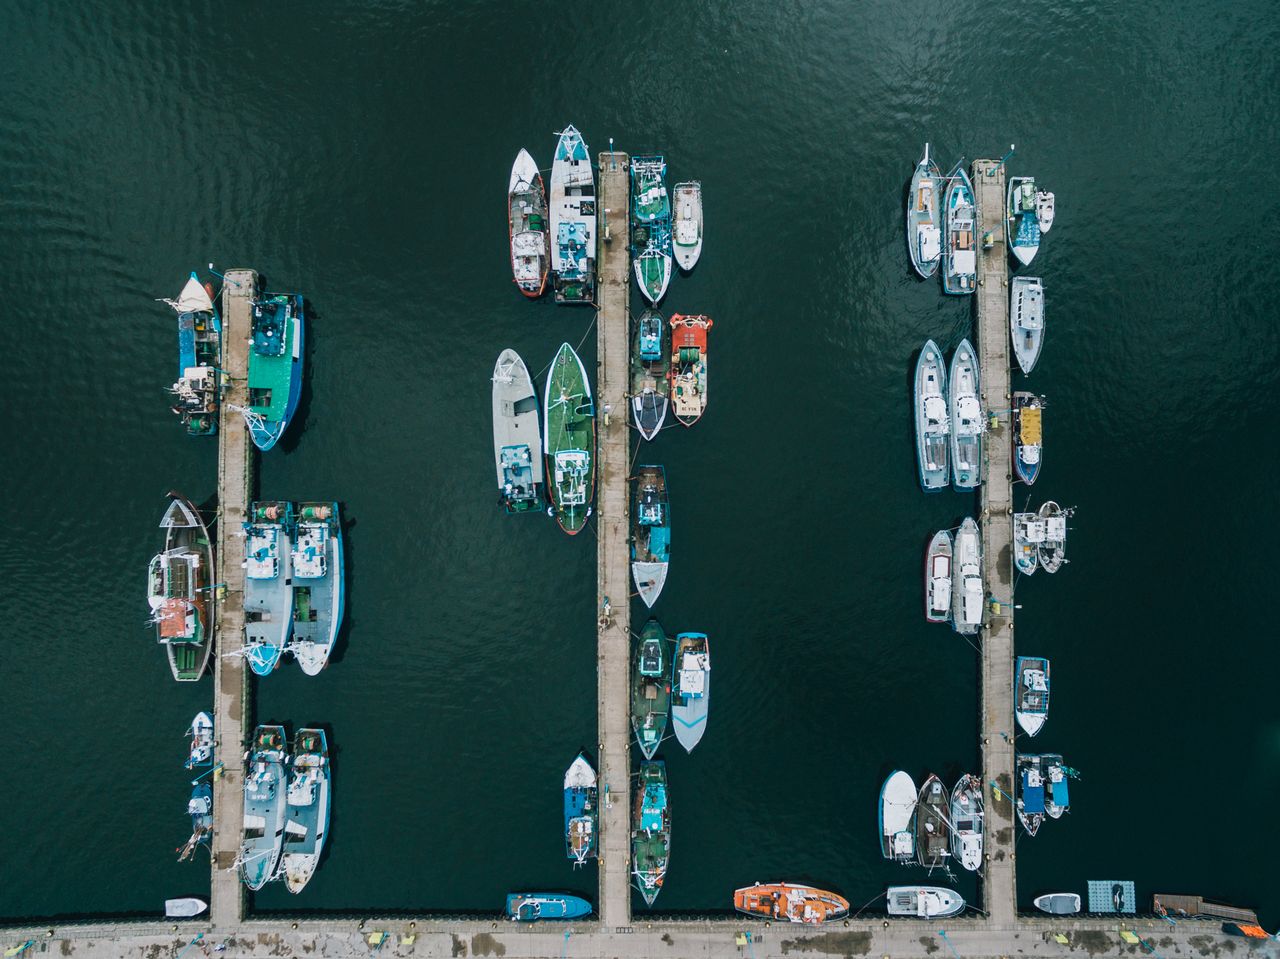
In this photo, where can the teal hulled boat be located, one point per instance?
(317, 584)
(268, 595)
(533, 906)
(307, 809)
(651, 226)
(275, 366)
(569, 440)
(651, 831)
(264, 808)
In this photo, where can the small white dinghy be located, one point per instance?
(184, 908)
(927, 902)
(687, 210)
(1058, 903)
(1044, 216)
(201, 733)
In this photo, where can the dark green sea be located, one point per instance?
(359, 154)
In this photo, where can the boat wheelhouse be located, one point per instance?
(572, 215)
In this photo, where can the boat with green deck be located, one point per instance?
(569, 440)
(275, 366)
(651, 226)
(650, 688)
(651, 831)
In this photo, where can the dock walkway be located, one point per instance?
(230, 677)
(613, 635)
(999, 886)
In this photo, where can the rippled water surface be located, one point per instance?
(359, 155)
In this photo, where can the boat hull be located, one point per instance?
(933, 830)
(932, 419)
(959, 257)
(926, 902)
(1026, 320)
(1058, 903)
(967, 593)
(581, 812)
(1031, 705)
(687, 233)
(572, 217)
(897, 817)
(517, 439)
(526, 211)
(187, 598)
(650, 690)
(789, 902)
(543, 906)
(569, 440)
(938, 567)
(924, 218)
(689, 367)
(689, 711)
(270, 374)
(1021, 226)
(967, 418)
(306, 823)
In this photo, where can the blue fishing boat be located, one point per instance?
(1031, 693)
(196, 391)
(316, 563)
(275, 366)
(532, 906)
(307, 808)
(690, 688)
(1023, 216)
(581, 810)
(268, 596)
(264, 808)
(959, 254)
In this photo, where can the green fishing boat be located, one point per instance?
(651, 831)
(650, 689)
(569, 440)
(651, 231)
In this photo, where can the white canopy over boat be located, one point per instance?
(898, 798)
(194, 298)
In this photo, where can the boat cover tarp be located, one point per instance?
(1030, 419)
(1032, 798)
(1060, 795)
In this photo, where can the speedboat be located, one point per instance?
(967, 418)
(572, 217)
(924, 217)
(650, 689)
(966, 822)
(960, 255)
(535, 906)
(1044, 210)
(517, 443)
(688, 374)
(268, 595)
(307, 808)
(966, 588)
(691, 688)
(1052, 550)
(788, 902)
(1031, 693)
(925, 902)
(581, 811)
(650, 532)
(898, 798)
(651, 831)
(651, 226)
(179, 590)
(264, 808)
(275, 366)
(688, 223)
(527, 226)
(1023, 228)
(1058, 903)
(933, 825)
(1057, 794)
(1031, 808)
(937, 578)
(196, 392)
(201, 733)
(1028, 435)
(569, 440)
(650, 366)
(933, 424)
(318, 591)
(1028, 535)
(1026, 319)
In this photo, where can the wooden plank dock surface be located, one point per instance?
(999, 886)
(230, 676)
(613, 528)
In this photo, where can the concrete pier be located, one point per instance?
(999, 886)
(230, 676)
(613, 529)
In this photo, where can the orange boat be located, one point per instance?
(688, 373)
(786, 901)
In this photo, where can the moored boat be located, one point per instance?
(1028, 435)
(1028, 534)
(275, 366)
(535, 906)
(690, 688)
(925, 902)
(651, 226)
(1053, 550)
(318, 584)
(650, 689)
(789, 902)
(687, 235)
(1023, 229)
(200, 809)
(201, 733)
(184, 908)
(898, 800)
(688, 372)
(572, 216)
(937, 578)
(966, 822)
(179, 589)
(527, 226)
(1031, 693)
(1058, 903)
(569, 439)
(924, 217)
(650, 367)
(933, 423)
(1030, 803)
(967, 418)
(307, 808)
(264, 808)
(1044, 210)
(1026, 319)
(196, 392)
(650, 532)
(1057, 793)
(517, 444)
(268, 595)
(966, 584)
(933, 825)
(581, 810)
(960, 256)
(651, 831)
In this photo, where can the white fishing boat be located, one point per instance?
(1052, 550)
(1028, 535)
(933, 425)
(1026, 319)
(1044, 211)
(967, 418)
(898, 798)
(966, 588)
(572, 214)
(517, 442)
(925, 902)
(527, 227)
(937, 578)
(690, 688)
(924, 217)
(184, 908)
(960, 254)
(307, 809)
(687, 239)
(966, 822)
(1031, 693)
(318, 584)
(1058, 903)
(1023, 224)
(201, 733)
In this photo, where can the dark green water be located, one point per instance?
(360, 156)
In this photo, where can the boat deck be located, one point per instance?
(999, 886)
(613, 527)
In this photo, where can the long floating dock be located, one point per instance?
(230, 677)
(999, 885)
(613, 635)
